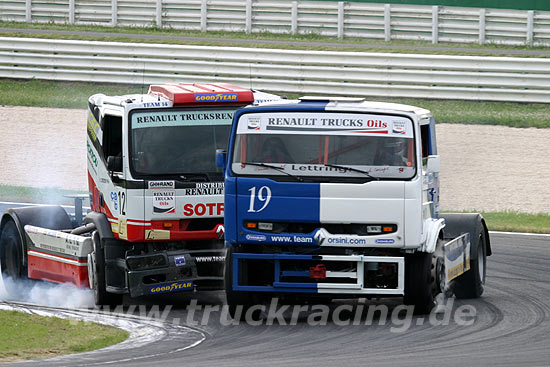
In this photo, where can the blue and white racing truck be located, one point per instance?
(336, 198)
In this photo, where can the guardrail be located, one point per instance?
(290, 71)
(331, 18)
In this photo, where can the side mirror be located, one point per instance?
(221, 158)
(114, 163)
(433, 164)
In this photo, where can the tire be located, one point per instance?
(237, 302)
(470, 284)
(101, 296)
(421, 285)
(11, 255)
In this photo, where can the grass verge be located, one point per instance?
(42, 93)
(510, 221)
(46, 195)
(521, 115)
(24, 336)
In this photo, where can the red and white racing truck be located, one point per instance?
(156, 195)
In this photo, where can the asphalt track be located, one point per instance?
(510, 327)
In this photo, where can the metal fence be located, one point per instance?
(341, 19)
(291, 71)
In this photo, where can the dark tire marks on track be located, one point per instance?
(511, 327)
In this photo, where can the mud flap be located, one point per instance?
(457, 256)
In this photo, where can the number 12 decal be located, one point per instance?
(122, 204)
(264, 196)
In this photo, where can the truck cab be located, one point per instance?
(156, 197)
(339, 197)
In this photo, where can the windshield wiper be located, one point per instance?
(352, 169)
(298, 178)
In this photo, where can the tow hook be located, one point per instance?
(318, 272)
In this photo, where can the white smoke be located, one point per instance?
(3, 291)
(45, 294)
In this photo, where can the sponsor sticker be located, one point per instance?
(122, 229)
(91, 155)
(356, 125)
(162, 184)
(345, 241)
(254, 123)
(385, 240)
(164, 202)
(114, 227)
(158, 118)
(333, 123)
(255, 237)
(157, 234)
(205, 188)
(209, 259)
(399, 127)
(172, 287)
(156, 104)
(94, 130)
(114, 200)
(203, 209)
(216, 97)
(292, 239)
(179, 260)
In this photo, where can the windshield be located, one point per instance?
(325, 144)
(178, 141)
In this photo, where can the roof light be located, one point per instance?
(203, 93)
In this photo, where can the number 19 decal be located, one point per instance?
(264, 196)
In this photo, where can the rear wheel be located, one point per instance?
(11, 255)
(101, 296)
(470, 284)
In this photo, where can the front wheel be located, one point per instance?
(101, 296)
(423, 281)
(237, 302)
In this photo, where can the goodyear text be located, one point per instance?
(217, 97)
(172, 287)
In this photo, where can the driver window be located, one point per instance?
(425, 136)
(112, 136)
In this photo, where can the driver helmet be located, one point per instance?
(395, 145)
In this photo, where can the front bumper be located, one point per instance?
(344, 274)
(183, 270)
